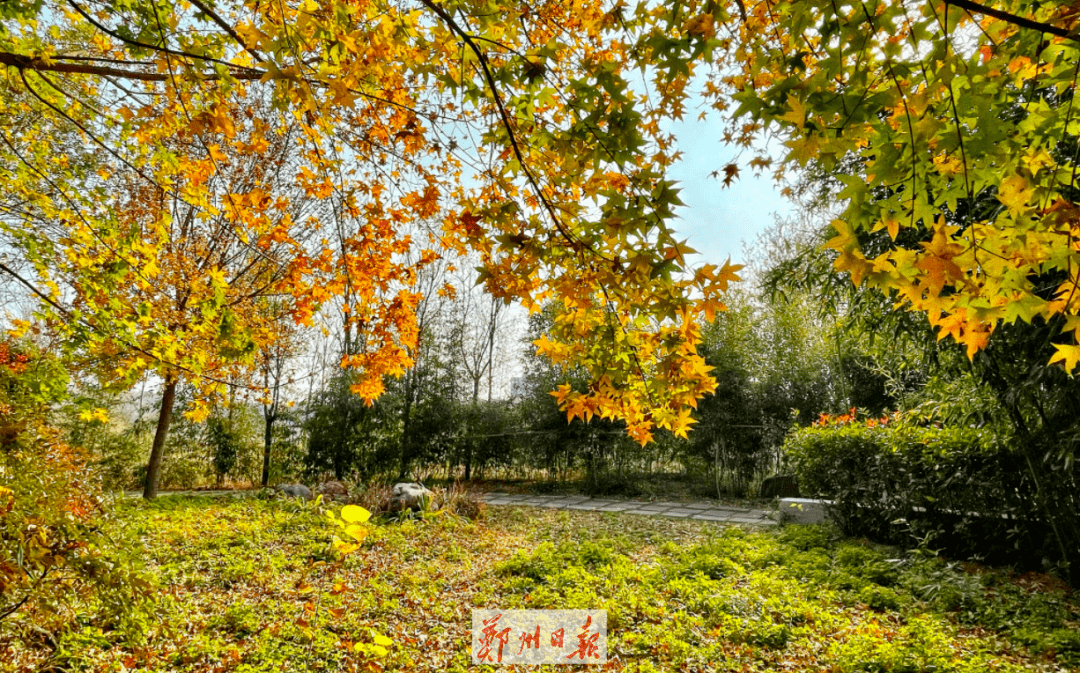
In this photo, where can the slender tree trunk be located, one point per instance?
(405, 418)
(153, 468)
(268, 434)
(491, 356)
(496, 305)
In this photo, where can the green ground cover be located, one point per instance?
(249, 585)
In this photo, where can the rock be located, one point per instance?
(409, 496)
(333, 490)
(804, 510)
(295, 491)
(781, 485)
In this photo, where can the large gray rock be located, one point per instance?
(333, 490)
(804, 510)
(295, 491)
(409, 496)
(780, 486)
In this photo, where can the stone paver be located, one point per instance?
(709, 517)
(677, 513)
(722, 513)
(701, 511)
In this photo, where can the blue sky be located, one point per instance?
(717, 220)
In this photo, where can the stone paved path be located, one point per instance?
(703, 511)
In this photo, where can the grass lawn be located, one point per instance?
(249, 585)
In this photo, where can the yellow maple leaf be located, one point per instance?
(711, 307)
(796, 113)
(805, 149)
(891, 224)
(948, 165)
(701, 24)
(845, 238)
(727, 274)
(975, 340)
(98, 415)
(681, 424)
(1068, 355)
(1037, 159)
(1023, 67)
(1015, 193)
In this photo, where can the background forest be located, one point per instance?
(798, 345)
(478, 403)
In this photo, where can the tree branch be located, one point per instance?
(86, 323)
(574, 242)
(135, 43)
(208, 11)
(23, 62)
(1013, 19)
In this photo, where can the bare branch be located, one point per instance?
(1013, 19)
(23, 62)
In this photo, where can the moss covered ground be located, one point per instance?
(248, 585)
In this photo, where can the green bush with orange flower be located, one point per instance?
(968, 491)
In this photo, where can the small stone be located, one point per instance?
(295, 491)
(333, 490)
(409, 496)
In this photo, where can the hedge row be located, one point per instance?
(961, 490)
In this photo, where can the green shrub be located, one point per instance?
(807, 537)
(867, 563)
(241, 618)
(1066, 643)
(59, 569)
(879, 597)
(548, 560)
(961, 490)
(923, 644)
(712, 566)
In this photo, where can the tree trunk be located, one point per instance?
(405, 418)
(153, 468)
(268, 435)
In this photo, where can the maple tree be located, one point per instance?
(515, 119)
(169, 282)
(953, 128)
